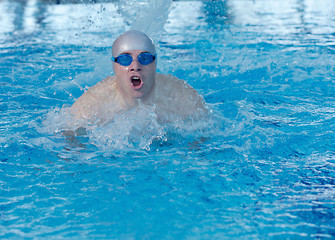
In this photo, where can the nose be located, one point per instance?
(135, 66)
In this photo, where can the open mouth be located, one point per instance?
(136, 82)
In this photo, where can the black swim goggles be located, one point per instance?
(126, 59)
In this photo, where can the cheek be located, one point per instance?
(151, 70)
(119, 71)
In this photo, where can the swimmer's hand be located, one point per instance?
(81, 131)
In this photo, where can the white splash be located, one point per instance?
(135, 128)
(148, 16)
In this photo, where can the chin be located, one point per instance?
(138, 95)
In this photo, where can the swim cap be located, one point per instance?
(133, 40)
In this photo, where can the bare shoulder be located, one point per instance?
(101, 88)
(89, 104)
(177, 95)
(174, 84)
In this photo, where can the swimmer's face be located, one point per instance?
(135, 81)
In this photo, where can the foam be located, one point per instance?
(138, 128)
(135, 128)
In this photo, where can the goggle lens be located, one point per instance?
(126, 59)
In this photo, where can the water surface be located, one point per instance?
(261, 166)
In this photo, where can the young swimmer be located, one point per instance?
(135, 82)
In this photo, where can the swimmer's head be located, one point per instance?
(133, 40)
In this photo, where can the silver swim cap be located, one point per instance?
(133, 40)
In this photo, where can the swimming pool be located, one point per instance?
(260, 167)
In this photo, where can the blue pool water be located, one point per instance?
(260, 166)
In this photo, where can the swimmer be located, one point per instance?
(136, 82)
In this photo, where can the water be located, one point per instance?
(261, 166)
